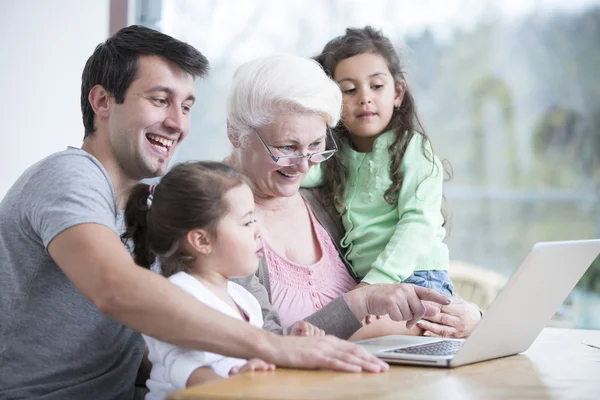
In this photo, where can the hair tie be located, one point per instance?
(150, 194)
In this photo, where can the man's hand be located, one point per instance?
(253, 364)
(455, 320)
(303, 328)
(323, 352)
(401, 301)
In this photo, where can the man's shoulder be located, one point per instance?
(56, 173)
(65, 168)
(69, 159)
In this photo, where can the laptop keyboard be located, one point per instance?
(441, 348)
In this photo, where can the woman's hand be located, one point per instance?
(455, 320)
(401, 301)
(253, 364)
(303, 328)
(369, 318)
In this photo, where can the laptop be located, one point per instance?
(513, 321)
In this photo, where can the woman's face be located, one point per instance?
(288, 134)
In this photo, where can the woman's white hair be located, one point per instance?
(281, 83)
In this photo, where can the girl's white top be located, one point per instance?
(173, 365)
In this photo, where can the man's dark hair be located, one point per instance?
(114, 64)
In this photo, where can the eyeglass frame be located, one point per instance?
(300, 157)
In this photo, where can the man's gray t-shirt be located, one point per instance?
(54, 342)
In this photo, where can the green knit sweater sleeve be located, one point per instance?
(419, 204)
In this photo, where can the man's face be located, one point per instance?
(146, 129)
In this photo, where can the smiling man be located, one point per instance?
(72, 301)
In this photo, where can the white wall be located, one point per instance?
(43, 48)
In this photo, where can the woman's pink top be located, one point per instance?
(298, 291)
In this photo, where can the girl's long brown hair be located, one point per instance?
(189, 196)
(404, 123)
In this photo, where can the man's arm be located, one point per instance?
(94, 259)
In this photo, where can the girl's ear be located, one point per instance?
(400, 90)
(200, 241)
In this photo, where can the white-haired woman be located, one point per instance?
(280, 111)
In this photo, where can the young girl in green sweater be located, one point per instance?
(385, 180)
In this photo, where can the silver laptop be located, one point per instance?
(513, 321)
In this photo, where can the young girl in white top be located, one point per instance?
(199, 223)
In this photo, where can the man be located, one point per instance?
(71, 298)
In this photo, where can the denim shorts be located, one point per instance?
(438, 280)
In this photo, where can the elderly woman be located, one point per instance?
(280, 111)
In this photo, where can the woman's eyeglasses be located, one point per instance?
(286, 161)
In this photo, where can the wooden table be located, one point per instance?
(557, 366)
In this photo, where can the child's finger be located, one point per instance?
(234, 371)
(256, 361)
(259, 365)
(263, 367)
(309, 330)
(301, 328)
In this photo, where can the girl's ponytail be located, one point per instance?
(136, 233)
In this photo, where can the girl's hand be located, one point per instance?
(455, 320)
(303, 328)
(253, 364)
